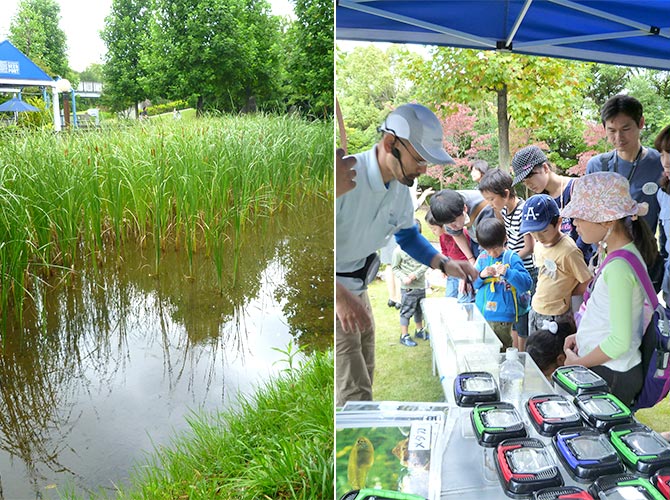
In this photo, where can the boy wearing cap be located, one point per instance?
(379, 207)
(562, 271)
(530, 166)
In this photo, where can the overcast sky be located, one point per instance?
(82, 20)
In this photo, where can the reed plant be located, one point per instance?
(191, 184)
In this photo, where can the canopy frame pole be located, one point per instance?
(584, 38)
(517, 23)
(604, 15)
(353, 5)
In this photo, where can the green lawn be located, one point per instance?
(404, 373)
(401, 373)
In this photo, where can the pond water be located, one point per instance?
(110, 361)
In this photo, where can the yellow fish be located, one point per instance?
(361, 458)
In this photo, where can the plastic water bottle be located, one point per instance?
(511, 378)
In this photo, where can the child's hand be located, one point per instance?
(488, 271)
(501, 269)
(408, 280)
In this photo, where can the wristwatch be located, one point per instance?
(443, 264)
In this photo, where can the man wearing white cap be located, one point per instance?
(379, 207)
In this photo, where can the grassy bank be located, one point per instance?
(404, 373)
(277, 445)
(192, 184)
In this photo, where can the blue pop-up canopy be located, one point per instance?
(17, 70)
(633, 33)
(16, 105)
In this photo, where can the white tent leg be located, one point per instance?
(56, 110)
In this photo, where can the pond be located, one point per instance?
(113, 358)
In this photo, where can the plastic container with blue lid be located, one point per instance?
(641, 449)
(495, 422)
(602, 410)
(550, 413)
(471, 388)
(586, 453)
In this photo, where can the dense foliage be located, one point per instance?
(228, 55)
(34, 31)
(484, 99)
(224, 55)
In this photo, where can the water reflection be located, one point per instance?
(108, 363)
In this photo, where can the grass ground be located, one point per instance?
(404, 373)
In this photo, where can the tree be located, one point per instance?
(34, 31)
(369, 86)
(310, 61)
(216, 52)
(93, 73)
(607, 80)
(125, 36)
(462, 142)
(532, 91)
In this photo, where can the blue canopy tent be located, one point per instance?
(608, 31)
(17, 70)
(16, 105)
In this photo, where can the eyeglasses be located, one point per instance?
(420, 162)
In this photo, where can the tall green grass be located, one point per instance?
(193, 185)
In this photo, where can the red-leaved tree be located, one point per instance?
(594, 137)
(461, 141)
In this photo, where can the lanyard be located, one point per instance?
(635, 163)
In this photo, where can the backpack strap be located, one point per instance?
(640, 271)
(605, 160)
(638, 268)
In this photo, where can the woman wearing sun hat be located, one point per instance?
(611, 328)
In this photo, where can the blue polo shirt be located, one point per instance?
(368, 215)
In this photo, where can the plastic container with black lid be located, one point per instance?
(586, 453)
(576, 380)
(550, 413)
(471, 388)
(562, 493)
(602, 410)
(641, 449)
(624, 487)
(524, 466)
(661, 480)
(495, 422)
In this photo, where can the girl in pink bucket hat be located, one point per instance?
(614, 318)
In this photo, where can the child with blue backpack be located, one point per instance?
(502, 280)
(614, 316)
